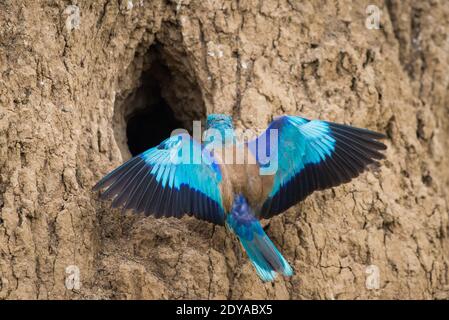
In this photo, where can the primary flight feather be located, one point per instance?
(182, 176)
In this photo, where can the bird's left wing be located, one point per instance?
(168, 180)
(311, 155)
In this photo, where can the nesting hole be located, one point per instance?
(151, 122)
(164, 97)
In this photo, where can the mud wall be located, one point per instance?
(71, 74)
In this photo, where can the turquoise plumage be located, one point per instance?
(265, 257)
(292, 158)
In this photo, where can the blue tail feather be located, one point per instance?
(262, 252)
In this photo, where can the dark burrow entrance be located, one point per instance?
(165, 98)
(146, 127)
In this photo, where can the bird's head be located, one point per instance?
(219, 121)
(223, 124)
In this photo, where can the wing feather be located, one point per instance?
(155, 184)
(314, 155)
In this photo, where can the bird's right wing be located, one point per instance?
(312, 155)
(171, 179)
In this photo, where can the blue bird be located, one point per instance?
(291, 159)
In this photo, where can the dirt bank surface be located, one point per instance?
(73, 74)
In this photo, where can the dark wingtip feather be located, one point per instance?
(101, 184)
(96, 187)
(115, 174)
(362, 131)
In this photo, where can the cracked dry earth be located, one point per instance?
(70, 74)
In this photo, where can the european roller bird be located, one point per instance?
(291, 159)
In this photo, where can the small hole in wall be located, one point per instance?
(147, 126)
(166, 97)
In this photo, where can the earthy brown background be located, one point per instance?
(66, 87)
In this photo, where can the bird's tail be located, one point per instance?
(263, 254)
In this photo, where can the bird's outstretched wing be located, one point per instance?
(168, 180)
(313, 155)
